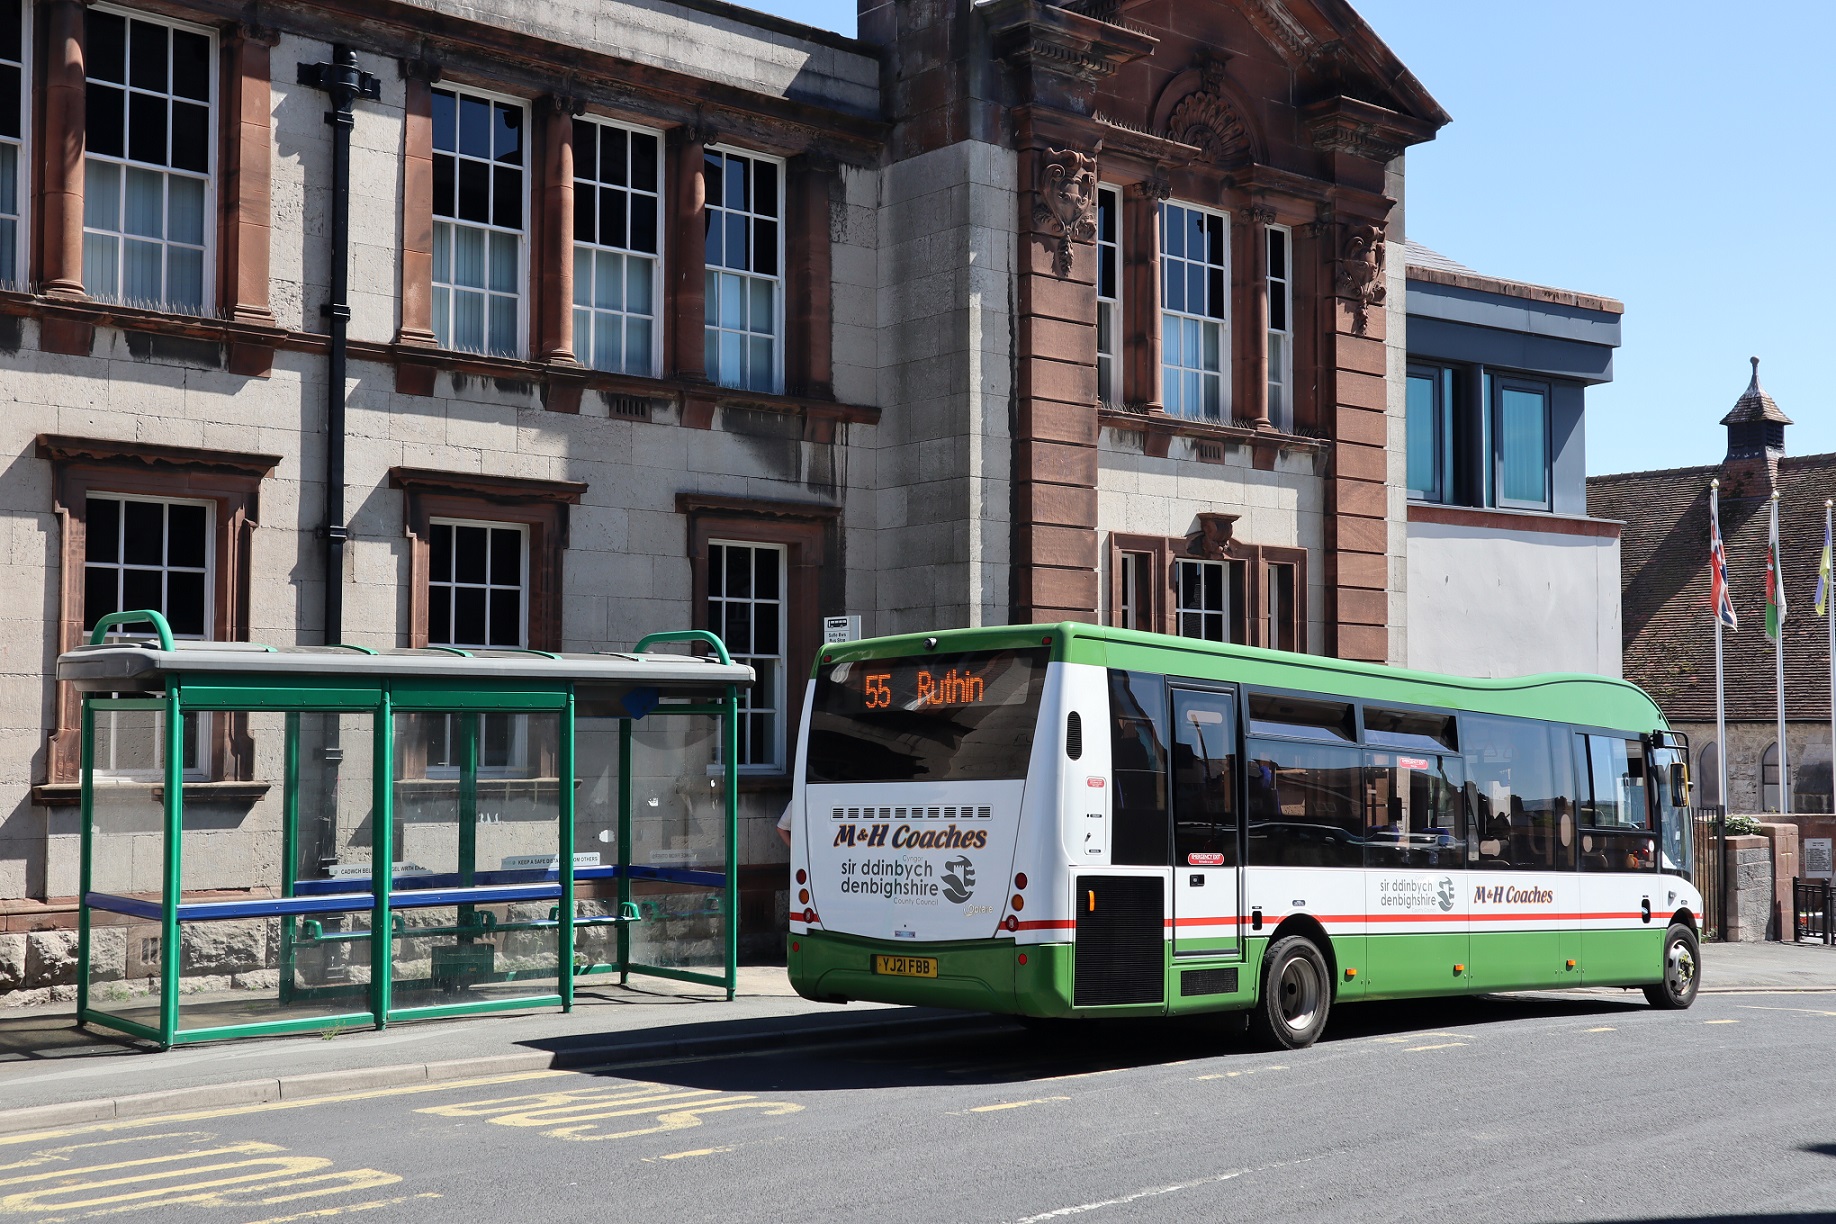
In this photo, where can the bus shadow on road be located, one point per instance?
(1008, 1051)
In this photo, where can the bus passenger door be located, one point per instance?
(1207, 855)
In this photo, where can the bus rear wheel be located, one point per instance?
(1682, 970)
(1296, 995)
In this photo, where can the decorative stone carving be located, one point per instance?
(1156, 187)
(1212, 540)
(1361, 270)
(1257, 214)
(1066, 204)
(1207, 120)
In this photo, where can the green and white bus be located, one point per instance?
(1068, 820)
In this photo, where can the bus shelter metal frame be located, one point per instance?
(383, 694)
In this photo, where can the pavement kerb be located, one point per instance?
(362, 1079)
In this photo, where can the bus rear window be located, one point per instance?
(940, 718)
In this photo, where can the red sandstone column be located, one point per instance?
(417, 214)
(61, 249)
(810, 345)
(556, 271)
(1255, 363)
(247, 202)
(688, 246)
(1141, 375)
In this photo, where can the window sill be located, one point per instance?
(69, 794)
(1544, 521)
(251, 344)
(1209, 439)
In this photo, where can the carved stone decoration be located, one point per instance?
(1155, 187)
(1212, 539)
(1361, 271)
(1066, 203)
(1257, 214)
(1207, 120)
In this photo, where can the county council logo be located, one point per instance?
(958, 880)
(1444, 898)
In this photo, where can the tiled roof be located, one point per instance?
(1754, 404)
(1415, 255)
(1667, 624)
(1427, 266)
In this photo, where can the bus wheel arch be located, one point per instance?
(1308, 927)
(1295, 988)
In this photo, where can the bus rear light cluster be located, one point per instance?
(1018, 903)
(803, 896)
(803, 876)
(1020, 880)
(1012, 923)
(1023, 958)
(809, 915)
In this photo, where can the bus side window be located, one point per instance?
(1523, 819)
(1138, 767)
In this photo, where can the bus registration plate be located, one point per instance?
(906, 966)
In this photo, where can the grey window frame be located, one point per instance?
(1497, 383)
(20, 214)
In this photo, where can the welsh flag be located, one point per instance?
(1775, 582)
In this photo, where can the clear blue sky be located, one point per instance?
(1674, 155)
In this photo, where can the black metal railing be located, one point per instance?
(1711, 834)
(1810, 910)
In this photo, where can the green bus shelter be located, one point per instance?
(278, 839)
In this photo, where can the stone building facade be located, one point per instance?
(667, 313)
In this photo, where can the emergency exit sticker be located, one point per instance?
(1205, 858)
(1403, 762)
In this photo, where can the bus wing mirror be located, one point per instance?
(1679, 782)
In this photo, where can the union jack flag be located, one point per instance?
(1718, 571)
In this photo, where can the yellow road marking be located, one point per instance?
(1605, 1028)
(1445, 1045)
(1016, 1104)
(322, 1212)
(203, 1172)
(575, 1114)
(1052, 1079)
(696, 1152)
(1721, 1022)
(235, 1111)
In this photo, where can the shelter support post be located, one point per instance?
(382, 856)
(86, 853)
(174, 857)
(729, 755)
(624, 848)
(564, 858)
(290, 850)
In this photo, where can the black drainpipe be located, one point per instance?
(345, 82)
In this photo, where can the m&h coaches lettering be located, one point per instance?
(1510, 894)
(907, 837)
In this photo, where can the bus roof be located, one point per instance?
(1598, 701)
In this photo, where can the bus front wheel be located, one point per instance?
(1296, 994)
(1682, 970)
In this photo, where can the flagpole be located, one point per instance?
(1778, 659)
(1721, 712)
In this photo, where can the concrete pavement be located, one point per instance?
(52, 1073)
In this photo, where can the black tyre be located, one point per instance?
(1296, 995)
(1682, 970)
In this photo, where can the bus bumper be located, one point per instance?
(978, 975)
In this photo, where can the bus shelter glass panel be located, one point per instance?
(598, 793)
(126, 822)
(477, 824)
(325, 954)
(678, 848)
(240, 937)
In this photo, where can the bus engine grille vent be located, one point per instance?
(965, 812)
(1121, 941)
(1207, 982)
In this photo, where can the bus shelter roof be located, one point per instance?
(141, 665)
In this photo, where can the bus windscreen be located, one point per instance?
(939, 718)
